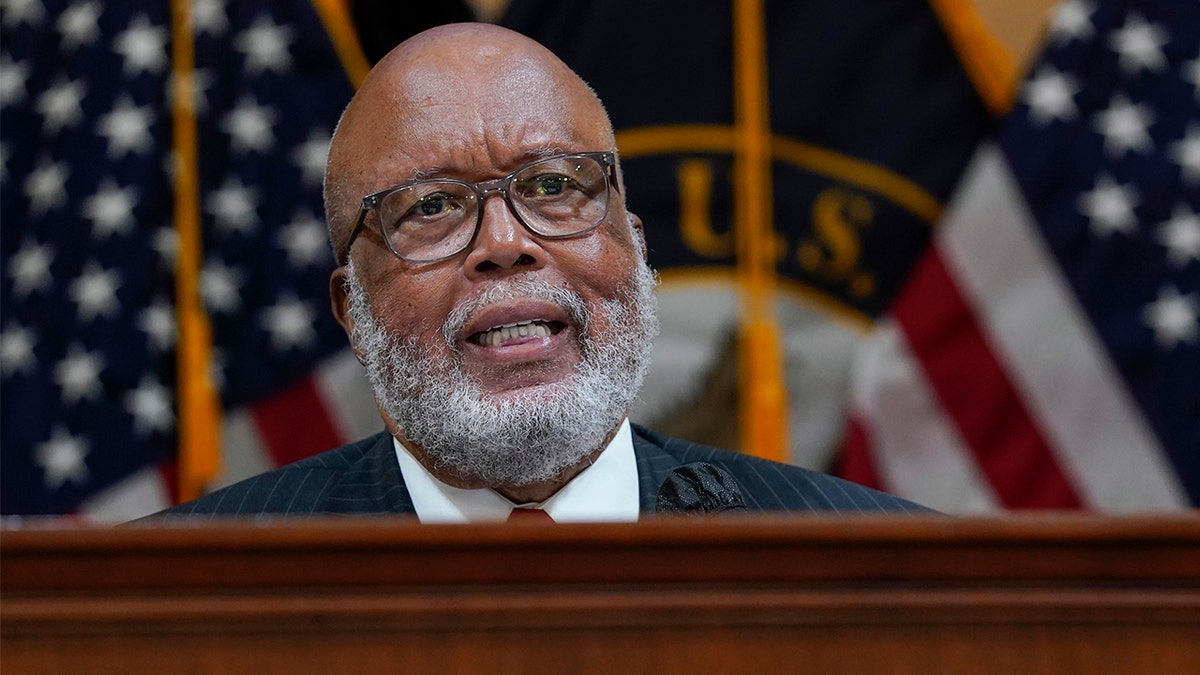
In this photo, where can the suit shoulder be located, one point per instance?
(770, 485)
(302, 487)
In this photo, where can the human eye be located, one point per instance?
(435, 205)
(419, 209)
(546, 186)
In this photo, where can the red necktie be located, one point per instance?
(529, 516)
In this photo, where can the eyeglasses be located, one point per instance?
(430, 220)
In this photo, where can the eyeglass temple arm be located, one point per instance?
(612, 170)
(344, 258)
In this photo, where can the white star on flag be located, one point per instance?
(22, 13)
(1050, 96)
(1139, 45)
(1125, 126)
(158, 323)
(78, 375)
(12, 81)
(265, 45)
(1173, 317)
(79, 25)
(150, 405)
(311, 156)
(208, 17)
(46, 186)
(305, 239)
(16, 350)
(61, 457)
(290, 323)
(95, 292)
(30, 268)
(1110, 206)
(144, 47)
(61, 106)
(1181, 236)
(1072, 21)
(234, 205)
(1191, 75)
(1186, 153)
(202, 80)
(220, 286)
(249, 127)
(165, 243)
(110, 209)
(127, 128)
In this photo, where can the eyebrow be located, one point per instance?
(532, 155)
(421, 174)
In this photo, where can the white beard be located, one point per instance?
(523, 437)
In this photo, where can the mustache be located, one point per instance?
(513, 289)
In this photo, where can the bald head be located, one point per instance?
(467, 100)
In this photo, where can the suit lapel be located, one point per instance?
(394, 492)
(376, 476)
(654, 463)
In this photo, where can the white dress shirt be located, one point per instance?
(606, 491)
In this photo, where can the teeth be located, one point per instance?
(498, 335)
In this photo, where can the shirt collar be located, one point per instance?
(606, 491)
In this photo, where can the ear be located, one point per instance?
(340, 303)
(639, 234)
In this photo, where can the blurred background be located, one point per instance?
(947, 248)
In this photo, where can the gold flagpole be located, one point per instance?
(199, 455)
(762, 392)
(340, 28)
(991, 68)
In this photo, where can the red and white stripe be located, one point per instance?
(329, 408)
(987, 388)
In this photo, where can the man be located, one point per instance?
(496, 290)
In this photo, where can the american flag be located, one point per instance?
(1046, 351)
(87, 325)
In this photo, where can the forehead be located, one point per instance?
(476, 117)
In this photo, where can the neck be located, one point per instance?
(535, 493)
(530, 493)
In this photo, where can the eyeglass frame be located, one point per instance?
(481, 189)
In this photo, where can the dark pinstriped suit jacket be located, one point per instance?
(364, 478)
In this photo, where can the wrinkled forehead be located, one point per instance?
(478, 110)
(505, 103)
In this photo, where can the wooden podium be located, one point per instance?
(1045, 594)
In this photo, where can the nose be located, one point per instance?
(502, 244)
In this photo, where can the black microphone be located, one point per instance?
(699, 488)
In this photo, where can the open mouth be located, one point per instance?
(536, 328)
